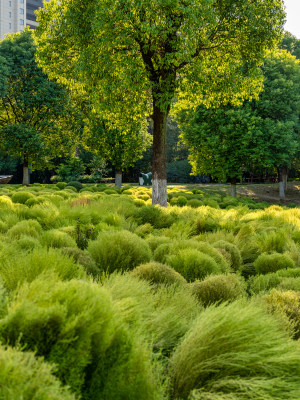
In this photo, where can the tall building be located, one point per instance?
(16, 14)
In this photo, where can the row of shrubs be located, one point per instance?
(104, 296)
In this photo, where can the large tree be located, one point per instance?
(261, 133)
(37, 120)
(138, 55)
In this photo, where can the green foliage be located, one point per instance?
(218, 288)
(158, 217)
(21, 197)
(28, 227)
(287, 304)
(57, 239)
(119, 251)
(23, 376)
(74, 325)
(61, 185)
(83, 258)
(70, 171)
(236, 351)
(272, 262)
(157, 273)
(193, 264)
(235, 256)
(36, 117)
(75, 184)
(17, 268)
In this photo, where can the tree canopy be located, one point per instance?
(264, 132)
(134, 56)
(37, 120)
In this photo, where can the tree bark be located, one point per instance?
(25, 173)
(284, 177)
(281, 183)
(159, 161)
(118, 178)
(233, 187)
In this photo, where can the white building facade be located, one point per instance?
(16, 14)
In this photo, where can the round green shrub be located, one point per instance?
(158, 217)
(218, 288)
(181, 201)
(28, 227)
(27, 243)
(110, 191)
(61, 185)
(23, 376)
(75, 184)
(236, 351)
(266, 263)
(75, 326)
(139, 203)
(83, 258)
(21, 197)
(26, 267)
(161, 252)
(144, 230)
(58, 239)
(192, 264)
(5, 201)
(157, 273)
(235, 255)
(195, 203)
(120, 250)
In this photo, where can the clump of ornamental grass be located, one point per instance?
(21, 197)
(83, 258)
(75, 326)
(273, 262)
(163, 315)
(219, 288)
(274, 241)
(47, 214)
(286, 304)
(57, 239)
(5, 201)
(23, 376)
(28, 227)
(235, 255)
(235, 351)
(192, 264)
(158, 274)
(144, 230)
(158, 217)
(26, 242)
(18, 268)
(120, 250)
(155, 241)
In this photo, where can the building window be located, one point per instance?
(21, 21)
(9, 25)
(22, 1)
(9, 14)
(9, 3)
(21, 10)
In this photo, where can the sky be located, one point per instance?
(292, 9)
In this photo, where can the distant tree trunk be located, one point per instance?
(118, 178)
(233, 187)
(281, 183)
(159, 168)
(25, 173)
(285, 177)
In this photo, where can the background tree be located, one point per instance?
(121, 148)
(37, 120)
(291, 44)
(264, 132)
(133, 53)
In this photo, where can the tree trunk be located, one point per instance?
(159, 167)
(118, 178)
(281, 183)
(284, 172)
(25, 173)
(233, 187)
